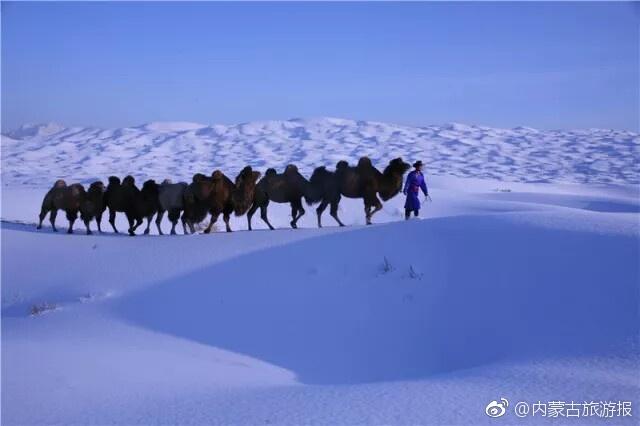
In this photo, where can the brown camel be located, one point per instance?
(288, 187)
(121, 197)
(366, 182)
(217, 195)
(93, 205)
(62, 197)
(326, 191)
(195, 202)
(244, 192)
(147, 204)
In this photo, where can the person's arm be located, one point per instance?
(424, 188)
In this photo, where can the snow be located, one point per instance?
(515, 289)
(180, 149)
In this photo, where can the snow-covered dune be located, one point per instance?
(522, 282)
(522, 291)
(38, 154)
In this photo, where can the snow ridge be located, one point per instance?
(39, 154)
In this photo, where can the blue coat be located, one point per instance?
(415, 182)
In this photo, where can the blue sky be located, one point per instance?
(545, 65)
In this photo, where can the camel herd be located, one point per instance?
(217, 194)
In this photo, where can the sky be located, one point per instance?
(114, 64)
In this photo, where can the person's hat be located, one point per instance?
(417, 164)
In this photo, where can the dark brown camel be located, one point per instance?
(121, 197)
(326, 191)
(93, 205)
(366, 182)
(147, 204)
(62, 197)
(288, 187)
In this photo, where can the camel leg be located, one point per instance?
(159, 220)
(87, 224)
(43, 214)
(300, 211)
(371, 200)
(131, 221)
(174, 216)
(294, 213)
(71, 216)
(377, 206)
(323, 205)
(334, 211)
(139, 221)
(263, 215)
(52, 219)
(214, 218)
(112, 219)
(250, 214)
(226, 216)
(99, 221)
(146, 231)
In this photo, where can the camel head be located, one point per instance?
(391, 182)
(245, 186)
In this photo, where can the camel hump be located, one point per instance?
(60, 183)
(342, 165)
(167, 182)
(198, 177)
(128, 180)
(246, 171)
(76, 189)
(319, 172)
(364, 162)
(217, 175)
(270, 172)
(291, 168)
(114, 180)
(149, 184)
(97, 185)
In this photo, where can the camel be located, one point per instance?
(146, 204)
(288, 187)
(217, 195)
(244, 192)
(62, 197)
(366, 182)
(93, 205)
(219, 199)
(121, 197)
(326, 191)
(171, 201)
